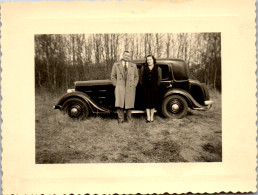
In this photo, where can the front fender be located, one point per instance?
(189, 98)
(95, 107)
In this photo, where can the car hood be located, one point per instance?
(92, 83)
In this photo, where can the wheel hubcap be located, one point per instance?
(75, 111)
(174, 106)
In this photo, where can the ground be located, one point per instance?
(100, 139)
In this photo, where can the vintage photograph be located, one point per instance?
(128, 98)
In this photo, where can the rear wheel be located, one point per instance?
(76, 108)
(174, 106)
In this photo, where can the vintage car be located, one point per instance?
(176, 91)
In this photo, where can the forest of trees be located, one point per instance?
(62, 59)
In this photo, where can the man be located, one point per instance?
(124, 77)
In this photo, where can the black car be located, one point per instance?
(177, 93)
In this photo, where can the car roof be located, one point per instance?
(159, 60)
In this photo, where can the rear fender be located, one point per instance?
(94, 107)
(190, 100)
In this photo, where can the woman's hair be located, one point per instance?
(154, 60)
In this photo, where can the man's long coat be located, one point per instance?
(124, 91)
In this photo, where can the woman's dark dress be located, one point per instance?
(150, 83)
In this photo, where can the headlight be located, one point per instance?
(70, 90)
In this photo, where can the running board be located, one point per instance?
(133, 111)
(141, 111)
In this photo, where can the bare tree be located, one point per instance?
(159, 44)
(168, 44)
(98, 49)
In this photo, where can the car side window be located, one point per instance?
(165, 71)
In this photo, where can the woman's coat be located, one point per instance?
(124, 91)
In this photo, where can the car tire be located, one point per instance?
(174, 106)
(76, 108)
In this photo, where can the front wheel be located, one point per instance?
(174, 106)
(76, 108)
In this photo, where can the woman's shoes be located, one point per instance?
(148, 121)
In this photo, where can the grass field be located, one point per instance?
(99, 139)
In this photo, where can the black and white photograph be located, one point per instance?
(128, 98)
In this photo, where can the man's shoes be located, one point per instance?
(147, 121)
(120, 122)
(127, 120)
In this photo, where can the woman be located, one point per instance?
(150, 79)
